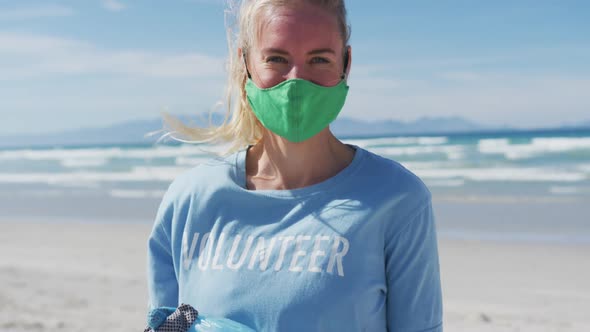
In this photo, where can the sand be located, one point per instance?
(73, 276)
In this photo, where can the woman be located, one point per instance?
(296, 231)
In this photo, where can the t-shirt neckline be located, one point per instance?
(321, 187)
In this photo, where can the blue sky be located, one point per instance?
(72, 64)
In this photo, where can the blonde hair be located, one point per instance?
(240, 126)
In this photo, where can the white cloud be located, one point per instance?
(34, 12)
(492, 88)
(209, 2)
(461, 76)
(500, 98)
(429, 64)
(139, 79)
(27, 56)
(113, 5)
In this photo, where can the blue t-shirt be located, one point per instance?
(356, 252)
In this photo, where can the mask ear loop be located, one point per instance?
(345, 64)
(246, 64)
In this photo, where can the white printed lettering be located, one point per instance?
(336, 256)
(211, 253)
(317, 253)
(298, 253)
(205, 243)
(257, 253)
(234, 248)
(187, 258)
(215, 265)
(284, 245)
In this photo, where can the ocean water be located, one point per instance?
(534, 172)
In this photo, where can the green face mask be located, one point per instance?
(296, 109)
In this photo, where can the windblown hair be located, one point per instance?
(240, 126)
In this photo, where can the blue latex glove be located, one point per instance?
(185, 318)
(206, 324)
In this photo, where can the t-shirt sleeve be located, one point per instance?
(161, 276)
(414, 299)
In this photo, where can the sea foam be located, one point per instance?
(503, 174)
(538, 146)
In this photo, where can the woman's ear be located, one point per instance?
(347, 60)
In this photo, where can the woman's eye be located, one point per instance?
(276, 59)
(319, 60)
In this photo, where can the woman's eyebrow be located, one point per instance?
(312, 52)
(275, 50)
(322, 50)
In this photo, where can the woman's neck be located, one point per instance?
(276, 164)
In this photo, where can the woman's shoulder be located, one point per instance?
(391, 187)
(208, 174)
(389, 176)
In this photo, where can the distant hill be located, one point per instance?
(133, 132)
(350, 127)
(583, 124)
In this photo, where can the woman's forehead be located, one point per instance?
(303, 25)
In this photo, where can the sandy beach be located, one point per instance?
(69, 276)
